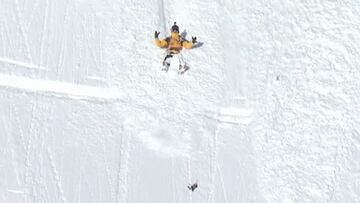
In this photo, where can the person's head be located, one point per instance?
(174, 28)
(175, 31)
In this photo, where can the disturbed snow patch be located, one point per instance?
(165, 140)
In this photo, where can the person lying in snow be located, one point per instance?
(173, 44)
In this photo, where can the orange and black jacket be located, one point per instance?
(174, 43)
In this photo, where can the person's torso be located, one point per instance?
(174, 43)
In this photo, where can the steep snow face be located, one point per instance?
(267, 112)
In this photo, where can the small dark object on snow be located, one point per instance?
(193, 40)
(192, 187)
(156, 34)
(278, 77)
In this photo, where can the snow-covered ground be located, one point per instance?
(268, 111)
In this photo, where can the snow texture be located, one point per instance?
(268, 111)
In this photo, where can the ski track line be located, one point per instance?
(173, 180)
(50, 116)
(126, 163)
(229, 115)
(234, 111)
(101, 48)
(35, 6)
(95, 78)
(106, 165)
(28, 149)
(123, 169)
(21, 64)
(118, 188)
(189, 177)
(55, 88)
(17, 122)
(162, 19)
(87, 154)
(20, 20)
(79, 185)
(37, 135)
(213, 164)
(56, 175)
(63, 39)
(13, 153)
(43, 33)
(222, 182)
(6, 132)
(16, 191)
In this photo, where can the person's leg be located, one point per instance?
(166, 61)
(181, 61)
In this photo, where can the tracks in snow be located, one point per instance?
(234, 115)
(21, 64)
(162, 19)
(58, 89)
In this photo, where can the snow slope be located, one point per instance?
(268, 112)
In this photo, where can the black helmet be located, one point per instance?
(175, 28)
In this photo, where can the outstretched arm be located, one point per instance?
(158, 42)
(188, 45)
(161, 43)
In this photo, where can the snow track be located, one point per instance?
(58, 89)
(22, 64)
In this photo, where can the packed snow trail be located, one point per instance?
(58, 89)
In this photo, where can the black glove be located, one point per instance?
(156, 35)
(194, 40)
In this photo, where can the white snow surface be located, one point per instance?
(269, 110)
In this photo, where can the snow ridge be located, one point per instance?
(59, 89)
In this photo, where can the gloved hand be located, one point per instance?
(156, 35)
(194, 40)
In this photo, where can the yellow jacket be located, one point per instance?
(174, 43)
